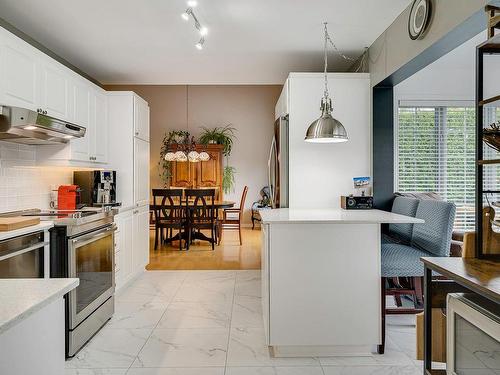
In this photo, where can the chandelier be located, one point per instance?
(186, 151)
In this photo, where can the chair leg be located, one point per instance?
(239, 232)
(381, 347)
(220, 232)
(253, 222)
(419, 294)
(180, 238)
(189, 239)
(156, 237)
(213, 238)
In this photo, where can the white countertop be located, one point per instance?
(339, 216)
(20, 298)
(44, 225)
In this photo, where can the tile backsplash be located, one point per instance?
(23, 184)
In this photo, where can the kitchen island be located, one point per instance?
(321, 278)
(32, 325)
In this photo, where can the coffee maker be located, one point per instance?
(98, 188)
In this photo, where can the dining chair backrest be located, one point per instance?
(202, 201)
(216, 188)
(167, 204)
(243, 198)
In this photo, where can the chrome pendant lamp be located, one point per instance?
(326, 129)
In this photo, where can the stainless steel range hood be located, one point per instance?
(28, 127)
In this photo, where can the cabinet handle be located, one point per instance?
(136, 133)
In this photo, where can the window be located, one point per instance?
(436, 152)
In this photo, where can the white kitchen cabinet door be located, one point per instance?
(99, 128)
(141, 118)
(140, 252)
(124, 242)
(19, 74)
(80, 148)
(265, 278)
(141, 172)
(55, 95)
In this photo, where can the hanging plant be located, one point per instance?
(169, 139)
(224, 136)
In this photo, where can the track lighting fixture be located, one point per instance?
(201, 29)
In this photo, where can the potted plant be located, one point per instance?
(169, 139)
(224, 136)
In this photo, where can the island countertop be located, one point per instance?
(20, 298)
(332, 216)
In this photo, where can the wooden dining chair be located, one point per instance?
(232, 217)
(202, 213)
(168, 213)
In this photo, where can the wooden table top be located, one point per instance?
(478, 275)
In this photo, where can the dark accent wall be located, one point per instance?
(383, 147)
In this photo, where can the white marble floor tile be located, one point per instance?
(295, 370)
(216, 277)
(247, 348)
(390, 358)
(146, 293)
(130, 314)
(177, 371)
(111, 348)
(247, 312)
(196, 315)
(184, 348)
(209, 292)
(405, 341)
(371, 370)
(96, 371)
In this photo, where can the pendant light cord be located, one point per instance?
(328, 39)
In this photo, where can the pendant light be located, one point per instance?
(326, 129)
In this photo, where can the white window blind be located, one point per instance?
(435, 148)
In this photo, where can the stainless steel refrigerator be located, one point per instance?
(278, 164)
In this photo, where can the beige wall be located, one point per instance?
(249, 108)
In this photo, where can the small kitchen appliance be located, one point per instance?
(98, 187)
(68, 197)
(356, 203)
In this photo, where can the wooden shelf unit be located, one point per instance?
(490, 47)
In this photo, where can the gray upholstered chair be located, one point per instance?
(401, 252)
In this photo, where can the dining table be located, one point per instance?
(191, 205)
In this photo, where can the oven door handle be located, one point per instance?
(25, 250)
(91, 237)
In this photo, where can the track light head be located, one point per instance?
(192, 3)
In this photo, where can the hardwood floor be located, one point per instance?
(229, 255)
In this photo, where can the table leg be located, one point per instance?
(427, 320)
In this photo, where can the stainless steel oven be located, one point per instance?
(91, 259)
(23, 256)
(83, 246)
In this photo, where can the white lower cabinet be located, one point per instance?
(131, 244)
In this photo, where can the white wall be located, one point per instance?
(321, 173)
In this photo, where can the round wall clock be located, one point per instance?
(420, 16)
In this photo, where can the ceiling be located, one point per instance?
(249, 41)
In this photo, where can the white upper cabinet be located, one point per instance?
(55, 93)
(141, 118)
(19, 78)
(33, 80)
(80, 148)
(99, 140)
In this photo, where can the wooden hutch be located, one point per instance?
(200, 174)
